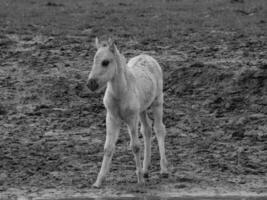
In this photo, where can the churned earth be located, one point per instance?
(214, 58)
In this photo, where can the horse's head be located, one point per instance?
(104, 65)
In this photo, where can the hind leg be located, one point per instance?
(146, 132)
(159, 128)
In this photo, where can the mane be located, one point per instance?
(121, 62)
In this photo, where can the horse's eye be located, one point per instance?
(105, 63)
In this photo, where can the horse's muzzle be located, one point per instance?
(92, 84)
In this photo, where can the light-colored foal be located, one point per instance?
(131, 89)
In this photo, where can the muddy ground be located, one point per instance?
(214, 58)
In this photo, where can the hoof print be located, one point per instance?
(164, 175)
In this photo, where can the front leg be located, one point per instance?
(113, 129)
(135, 146)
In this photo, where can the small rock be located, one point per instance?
(87, 31)
(241, 121)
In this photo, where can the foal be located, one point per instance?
(131, 89)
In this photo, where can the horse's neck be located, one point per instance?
(120, 84)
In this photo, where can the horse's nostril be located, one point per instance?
(92, 84)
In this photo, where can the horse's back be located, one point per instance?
(148, 77)
(146, 64)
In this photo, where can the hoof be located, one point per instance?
(141, 183)
(164, 175)
(146, 175)
(96, 186)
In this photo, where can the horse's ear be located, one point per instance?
(97, 43)
(112, 46)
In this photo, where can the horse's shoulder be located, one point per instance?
(122, 108)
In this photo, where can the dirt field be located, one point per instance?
(214, 57)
